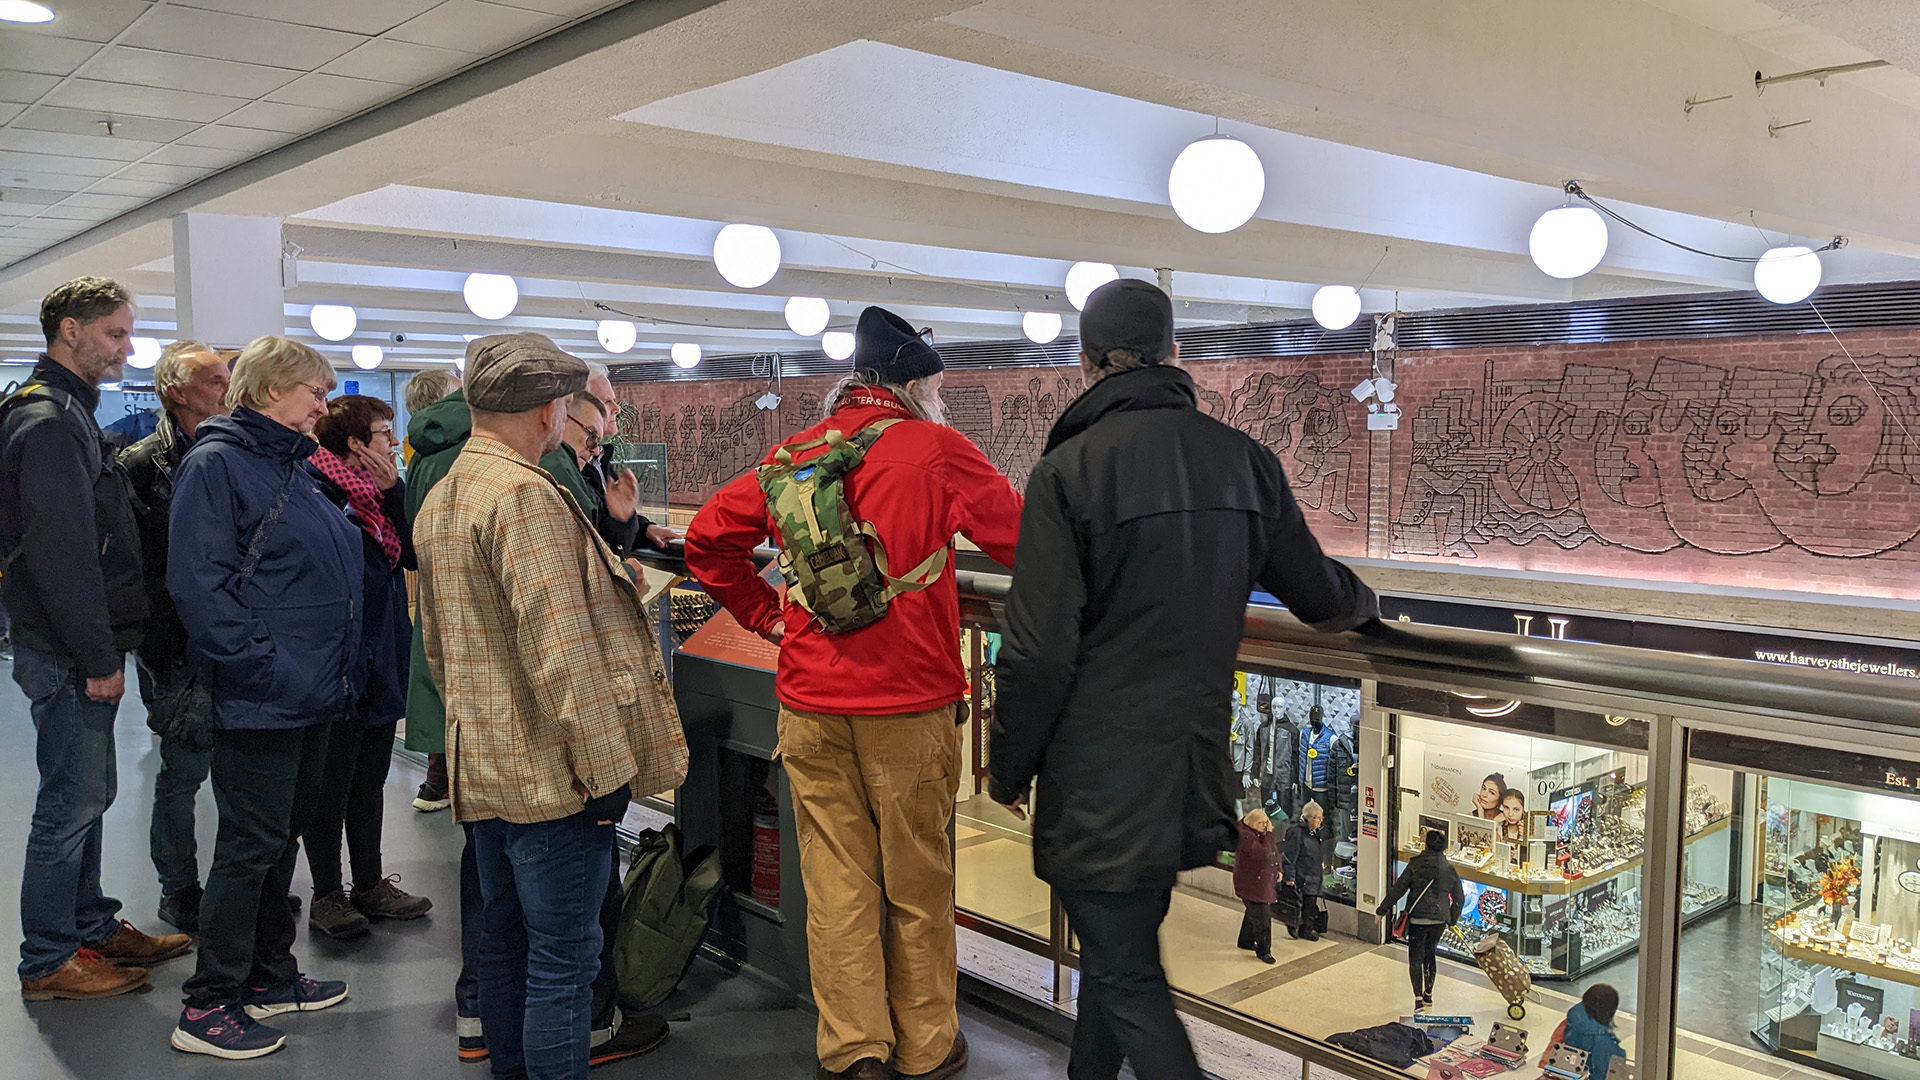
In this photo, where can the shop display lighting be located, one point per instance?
(368, 357)
(333, 322)
(746, 255)
(491, 296)
(146, 352)
(1568, 242)
(1216, 184)
(1335, 307)
(1787, 275)
(617, 335)
(24, 11)
(1084, 277)
(837, 344)
(685, 354)
(807, 315)
(1041, 327)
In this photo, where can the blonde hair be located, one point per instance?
(274, 364)
(171, 370)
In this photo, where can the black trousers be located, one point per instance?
(358, 760)
(1126, 1009)
(1256, 930)
(1423, 943)
(266, 785)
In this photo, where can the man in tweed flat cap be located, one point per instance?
(557, 704)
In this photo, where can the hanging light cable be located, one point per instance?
(1573, 188)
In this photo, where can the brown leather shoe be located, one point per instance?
(955, 1064)
(86, 974)
(130, 946)
(864, 1069)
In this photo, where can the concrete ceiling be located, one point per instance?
(951, 159)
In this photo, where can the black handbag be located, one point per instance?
(1286, 906)
(1319, 914)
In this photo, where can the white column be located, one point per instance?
(226, 278)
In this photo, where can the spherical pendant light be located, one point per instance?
(146, 352)
(806, 315)
(1216, 184)
(837, 344)
(333, 322)
(368, 357)
(491, 296)
(685, 354)
(1040, 327)
(1336, 306)
(617, 335)
(1787, 275)
(25, 11)
(1084, 277)
(746, 255)
(1568, 242)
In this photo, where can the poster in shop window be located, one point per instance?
(1474, 787)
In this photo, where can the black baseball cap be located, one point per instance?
(1128, 314)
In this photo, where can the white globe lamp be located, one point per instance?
(491, 296)
(1040, 327)
(1568, 242)
(1216, 184)
(685, 354)
(1084, 277)
(25, 11)
(837, 344)
(1335, 307)
(806, 315)
(333, 322)
(617, 335)
(146, 352)
(1787, 275)
(368, 357)
(746, 255)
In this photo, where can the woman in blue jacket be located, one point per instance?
(266, 575)
(1590, 1028)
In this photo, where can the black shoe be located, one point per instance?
(334, 916)
(1309, 935)
(293, 905)
(1266, 958)
(430, 798)
(388, 900)
(955, 1064)
(864, 1069)
(181, 910)
(633, 1034)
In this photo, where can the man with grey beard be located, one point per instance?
(867, 709)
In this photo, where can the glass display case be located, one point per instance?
(1840, 967)
(648, 463)
(1296, 740)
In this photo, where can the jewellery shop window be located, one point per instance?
(1548, 835)
(1295, 741)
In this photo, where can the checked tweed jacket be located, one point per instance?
(537, 639)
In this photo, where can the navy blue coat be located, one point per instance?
(284, 646)
(386, 633)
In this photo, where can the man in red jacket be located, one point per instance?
(867, 717)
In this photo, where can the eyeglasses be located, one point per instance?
(319, 392)
(381, 431)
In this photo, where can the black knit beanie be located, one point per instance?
(886, 348)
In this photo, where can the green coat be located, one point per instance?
(621, 536)
(437, 432)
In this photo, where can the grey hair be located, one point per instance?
(595, 367)
(427, 387)
(837, 394)
(171, 371)
(1312, 809)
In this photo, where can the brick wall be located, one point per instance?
(1770, 462)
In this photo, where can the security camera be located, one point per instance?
(397, 338)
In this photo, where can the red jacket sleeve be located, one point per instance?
(720, 545)
(985, 508)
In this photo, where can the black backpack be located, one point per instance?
(666, 903)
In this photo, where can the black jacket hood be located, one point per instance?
(1160, 386)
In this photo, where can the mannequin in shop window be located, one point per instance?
(1273, 757)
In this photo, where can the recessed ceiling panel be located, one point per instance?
(174, 174)
(387, 60)
(120, 99)
(50, 181)
(335, 92)
(205, 157)
(226, 137)
(77, 146)
(87, 20)
(237, 37)
(21, 50)
(29, 163)
(572, 9)
(475, 26)
(146, 189)
(104, 202)
(92, 122)
(200, 74)
(25, 86)
(274, 116)
(369, 17)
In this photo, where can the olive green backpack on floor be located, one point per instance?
(666, 903)
(835, 566)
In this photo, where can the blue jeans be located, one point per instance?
(540, 949)
(61, 906)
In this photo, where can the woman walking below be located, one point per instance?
(1253, 879)
(1302, 870)
(1435, 898)
(356, 470)
(266, 575)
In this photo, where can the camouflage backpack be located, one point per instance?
(835, 566)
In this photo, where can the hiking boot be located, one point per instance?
(388, 900)
(85, 975)
(632, 1036)
(300, 995)
(431, 798)
(955, 1064)
(864, 1069)
(181, 910)
(225, 1033)
(130, 946)
(334, 916)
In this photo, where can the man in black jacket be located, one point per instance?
(70, 550)
(191, 382)
(1147, 525)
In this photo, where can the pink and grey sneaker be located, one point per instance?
(301, 995)
(225, 1032)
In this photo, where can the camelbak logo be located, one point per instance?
(831, 555)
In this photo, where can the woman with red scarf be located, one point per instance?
(356, 469)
